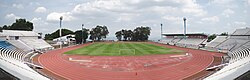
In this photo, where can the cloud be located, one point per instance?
(190, 6)
(126, 17)
(227, 12)
(19, 6)
(40, 10)
(163, 9)
(12, 16)
(224, 3)
(54, 16)
(238, 23)
(211, 19)
(248, 2)
(100, 6)
(40, 25)
(172, 18)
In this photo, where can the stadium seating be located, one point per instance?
(190, 42)
(238, 65)
(218, 40)
(175, 40)
(231, 44)
(37, 44)
(5, 44)
(166, 40)
(19, 44)
(242, 31)
(12, 60)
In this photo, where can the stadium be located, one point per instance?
(130, 40)
(175, 57)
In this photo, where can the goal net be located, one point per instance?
(127, 51)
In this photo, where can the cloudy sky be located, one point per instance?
(206, 16)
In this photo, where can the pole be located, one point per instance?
(82, 33)
(60, 31)
(161, 31)
(184, 26)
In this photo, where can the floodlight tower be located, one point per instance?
(60, 31)
(184, 19)
(161, 31)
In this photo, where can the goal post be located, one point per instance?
(127, 51)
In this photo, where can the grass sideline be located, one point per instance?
(122, 49)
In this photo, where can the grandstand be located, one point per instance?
(13, 61)
(25, 40)
(237, 46)
(189, 41)
(16, 51)
(211, 46)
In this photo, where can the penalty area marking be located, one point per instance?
(129, 51)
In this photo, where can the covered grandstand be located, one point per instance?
(189, 40)
(16, 51)
(25, 40)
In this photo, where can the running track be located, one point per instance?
(55, 62)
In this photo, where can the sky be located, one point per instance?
(203, 16)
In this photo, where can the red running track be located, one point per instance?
(56, 62)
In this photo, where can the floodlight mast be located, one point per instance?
(60, 31)
(184, 19)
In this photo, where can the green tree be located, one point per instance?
(141, 33)
(81, 35)
(21, 24)
(98, 33)
(118, 35)
(56, 34)
(211, 37)
(224, 34)
(129, 34)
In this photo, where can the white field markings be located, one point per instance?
(79, 60)
(105, 65)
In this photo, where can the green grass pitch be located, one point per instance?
(122, 49)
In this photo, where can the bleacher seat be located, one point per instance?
(21, 45)
(38, 44)
(12, 61)
(216, 41)
(190, 42)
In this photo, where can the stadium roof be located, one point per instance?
(193, 34)
(18, 33)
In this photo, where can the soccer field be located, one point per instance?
(122, 49)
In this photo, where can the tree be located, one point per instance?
(141, 33)
(22, 24)
(98, 33)
(211, 37)
(118, 35)
(129, 34)
(125, 34)
(81, 35)
(224, 34)
(56, 34)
